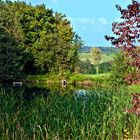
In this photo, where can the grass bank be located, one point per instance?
(76, 79)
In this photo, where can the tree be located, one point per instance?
(49, 38)
(73, 56)
(38, 27)
(105, 67)
(12, 57)
(46, 36)
(12, 54)
(85, 67)
(10, 21)
(66, 47)
(96, 58)
(128, 32)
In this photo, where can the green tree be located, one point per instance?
(85, 67)
(77, 43)
(46, 36)
(9, 21)
(64, 48)
(96, 58)
(38, 27)
(11, 55)
(105, 67)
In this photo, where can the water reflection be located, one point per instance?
(29, 92)
(81, 92)
(26, 93)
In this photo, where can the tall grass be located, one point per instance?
(97, 115)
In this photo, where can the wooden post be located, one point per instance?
(64, 82)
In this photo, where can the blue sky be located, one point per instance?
(91, 19)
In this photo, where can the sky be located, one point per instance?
(90, 19)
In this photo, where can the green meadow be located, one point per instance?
(104, 57)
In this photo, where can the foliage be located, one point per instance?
(47, 37)
(96, 55)
(12, 55)
(10, 22)
(105, 67)
(98, 114)
(135, 88)
(96, 58)
(128, 35)
(85, 67)
(119, 69)
(128, 30)
(37, 25)
(135, 105)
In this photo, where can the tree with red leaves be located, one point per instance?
(128, 33)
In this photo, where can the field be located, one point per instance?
(104, 57)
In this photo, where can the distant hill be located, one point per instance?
(105, 49)
(84, 49)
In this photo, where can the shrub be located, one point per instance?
(119, 69)
(105, 67)
(85, 67)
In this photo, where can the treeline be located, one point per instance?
(35, 40)
(107, 50)
(85, 67)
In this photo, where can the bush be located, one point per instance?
(105, 67)
(85, 67)
(119, 69)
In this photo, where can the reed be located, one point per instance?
(99, 114)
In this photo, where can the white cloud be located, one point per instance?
(54, 1)
(86, 20)
(82, 20)
(89, 21)
(103, 21)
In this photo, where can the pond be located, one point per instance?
(56, 112)
(32, 92)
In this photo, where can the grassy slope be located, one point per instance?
(105, 58)
(80, 77)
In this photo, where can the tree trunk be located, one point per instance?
(97, 69)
